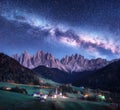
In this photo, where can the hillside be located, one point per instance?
(107, 78)
(59, 75)
(52, 73)
(12, 71)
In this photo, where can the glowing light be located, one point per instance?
(64, 97)
(86, 95)
(102, 97)
(60, 94)
(8, 88)
(55, 96)
(36, 95)
(45, 96)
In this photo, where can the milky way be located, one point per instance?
(91, 30)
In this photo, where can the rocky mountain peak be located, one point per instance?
(76, 62)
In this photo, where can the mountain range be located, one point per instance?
(73, 63)
(106, 78)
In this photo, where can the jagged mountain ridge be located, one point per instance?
(74, 63)
(40, 58)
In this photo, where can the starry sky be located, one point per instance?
(61, 27)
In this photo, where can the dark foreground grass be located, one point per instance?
(15, 101)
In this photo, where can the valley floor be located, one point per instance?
(17, 101)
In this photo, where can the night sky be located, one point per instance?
(61, 27)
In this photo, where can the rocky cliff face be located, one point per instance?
(78, 63)
(40, 58)
(74, 63)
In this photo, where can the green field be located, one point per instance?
(16, 101)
